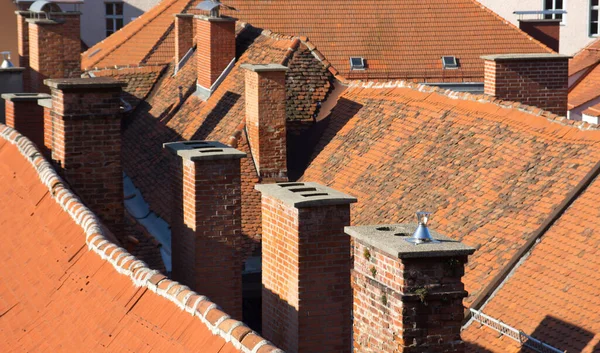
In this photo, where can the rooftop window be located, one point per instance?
(357, 63)
(449, 62)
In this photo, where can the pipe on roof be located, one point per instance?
(542, 229)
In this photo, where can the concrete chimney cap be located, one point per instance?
(299, 195)
(203, 150)
(82, 83)
(525, 57)
(390, 239)
(264, 67)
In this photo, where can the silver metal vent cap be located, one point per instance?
(421, 234)
(6, 60)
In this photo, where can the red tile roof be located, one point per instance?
(68, 288)
(585, 58)
(398, 39)
(490, 173)
(586, 89)
(554, 295)
(593, 110)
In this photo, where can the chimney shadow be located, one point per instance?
(562, 335)
(211, 121)
(306, 147)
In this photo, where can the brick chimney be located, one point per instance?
(539, 80)
(23, 113)
(54, 48)
(206, 221)
(307, 299)
(23, 47)
(546, 31)
(215, 54)
(266, 119)
(407, 297)
(184, 35)
(85, 139)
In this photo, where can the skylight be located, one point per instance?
(449, 62)
(357, 63)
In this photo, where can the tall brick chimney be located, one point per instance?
(54, 48)
(307, 299)
(407, 297)
(539, 80)
(215, 54)
(184, 35)
(23, 113)
(206, 231)
(23, 47)
(85, 142)
(266, 119)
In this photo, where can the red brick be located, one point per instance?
(215, 38)
(184, 35)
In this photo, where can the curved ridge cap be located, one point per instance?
(479, 98)
(123, 262)
(159, 10)
(510, 24)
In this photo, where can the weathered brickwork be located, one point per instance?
(27, 117)
(307, 84)
(409, 305)
(184, 35)
(216, 47)
(540, 83)
(85, 141)
(23, 47)
(306, 285)
(266, 122)
(54, 49)
(206, 230)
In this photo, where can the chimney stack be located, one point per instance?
(307, 298)
(23, 47)
(23, 113)
(184, 35)
(85, 141)
(206, 223)
(546, 31)
(539, 80)
(54, 46)
(215, 51)
(266, 119)
(407, 292)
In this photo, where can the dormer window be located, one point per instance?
(357, 63)
(449, 62)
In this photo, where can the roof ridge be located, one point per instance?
(126, 264)
(510, 24)
(143, 21)
(479, 98)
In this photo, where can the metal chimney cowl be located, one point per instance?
(421, 234)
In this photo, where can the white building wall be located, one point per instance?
(574, 33)
(577, 113)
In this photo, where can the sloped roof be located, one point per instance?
(554, 295)
(490, 173)
(585, 58)
(586, 90)
(171, 113)
(398, 39)
(593, 110)
(66, 287)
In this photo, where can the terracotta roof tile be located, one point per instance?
(593, 110)
(491, 174)
(554, 295)
(586, 89)
(403, 39)
(68, 288)
(585, 58)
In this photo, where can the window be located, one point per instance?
(554, 5)
(594, 18)
(114, 17)
(357, 63)
(449, 62)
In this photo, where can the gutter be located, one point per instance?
(532, 240)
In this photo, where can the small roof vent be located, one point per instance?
(357, 63)
(6, 60)
(213, 6)
(421, 234)
(449, 62)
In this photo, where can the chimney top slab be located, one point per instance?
(82, 83)
(525, 57)
(203, 150)
(391, 239)
(264, 67)
(215, 19)
(24, 97)
(302, 195)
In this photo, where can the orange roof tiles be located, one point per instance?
(490, 173)
(554, 295)
(398, 39)
(65, 287)
(586, 90)
(585, 58)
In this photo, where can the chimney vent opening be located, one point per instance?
(289, 185)
(384, 229)
(315, 194)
